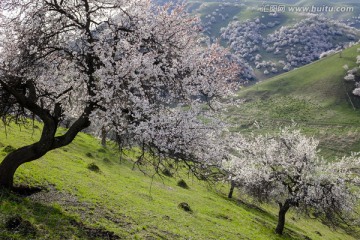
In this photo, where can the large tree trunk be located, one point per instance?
(231, 189)
(47, 142)
(14, 160)
(27, 97)
(281, 220)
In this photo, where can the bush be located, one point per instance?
(185, 206)
(93, 167)
(182, 184)
(89, 155)
(9, 149)
(167, 172)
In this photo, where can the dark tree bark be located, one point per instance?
(103, 136)
(30, 99)
(281, 219)
(47, 142)
(12, 161)
(232, 187)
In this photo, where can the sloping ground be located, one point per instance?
(314, 96)
(119, 202)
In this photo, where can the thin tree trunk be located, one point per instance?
(231, 189)
(103, 136)
(281, 220)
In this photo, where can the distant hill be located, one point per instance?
(287, 47)
(254, 33)
(315, 96)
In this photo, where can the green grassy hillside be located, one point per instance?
(315, 96)
(119, 202)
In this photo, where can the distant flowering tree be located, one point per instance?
(286, 169)
(349, 77)
(123, 64)
(354, 76)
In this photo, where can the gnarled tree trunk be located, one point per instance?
(47, 142)
(31, 152)
(14, 160)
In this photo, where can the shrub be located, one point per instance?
(167, 172)
(9, 149)
(182, 184)
(185, 206)
(93, 167)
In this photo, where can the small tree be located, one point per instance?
(285, 169)
(126, 64)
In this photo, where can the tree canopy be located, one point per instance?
(127, 64)
(286, 168)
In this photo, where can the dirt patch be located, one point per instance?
(95, 232)
(51, 195)
(85, 210)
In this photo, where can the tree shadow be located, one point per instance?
(25, 191)
(46, 222)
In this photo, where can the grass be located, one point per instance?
(121, 201)
(314, 96)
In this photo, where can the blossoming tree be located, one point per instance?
(286, 169)
(125, 64)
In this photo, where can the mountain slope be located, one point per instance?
(315, 96)
(119, 202)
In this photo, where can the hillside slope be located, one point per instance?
(314, 96)
(119, 202)
(275, 43)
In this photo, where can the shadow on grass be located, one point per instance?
(46, 222)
